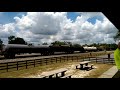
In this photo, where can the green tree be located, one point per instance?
(77, 45)
(69, 43)
(19, 41)
(16, 40)
(1, 42)
(11, 39)
(117, 36)
(57, 43)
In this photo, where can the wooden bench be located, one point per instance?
(67, 76)
(55, 73)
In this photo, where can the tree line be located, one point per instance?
(18, 40)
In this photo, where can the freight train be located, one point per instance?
(10, 50)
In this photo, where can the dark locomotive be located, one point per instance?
(10, 50)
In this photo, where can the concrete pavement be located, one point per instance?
(110, 72)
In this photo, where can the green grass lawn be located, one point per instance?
(32, 71)
(25, 73)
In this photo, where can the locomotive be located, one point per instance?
(10, 50)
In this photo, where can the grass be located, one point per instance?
(32, 71)
(101, 68)
(26, 73)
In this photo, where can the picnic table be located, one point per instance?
(50, 74)
(83, 64)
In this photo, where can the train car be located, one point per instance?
(90, 49)
(61, 48)
(80, 49)
(66, 48)
(10, 50)
(100, 49)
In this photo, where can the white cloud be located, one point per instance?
(39, 27)
(24, 23)
(7, 30)
(91, 14)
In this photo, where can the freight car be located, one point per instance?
(90, 49)
(10, 50)
(66, 48)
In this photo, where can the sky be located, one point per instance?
(39, 27)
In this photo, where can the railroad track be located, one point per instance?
(35, 55)
(31, 55)
(38, 56)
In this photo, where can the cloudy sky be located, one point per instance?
(40, 27)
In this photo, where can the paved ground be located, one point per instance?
(112, 71)
(109, 73)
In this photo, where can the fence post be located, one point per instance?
(90, 54)
(77, 58)
(41, 62)
(83, 58)
(64, 58)
(46, 61)
(60, 59)
(67, 58)
(96, 60)
(103, 61)
(56, 59)
(26, 64)
(89, 58)
(34, 63)
(109, 56)
(7, 67)
(51, 60)
(17, 65)
(112, 61)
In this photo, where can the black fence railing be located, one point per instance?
(100, 60)
(25, 64)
